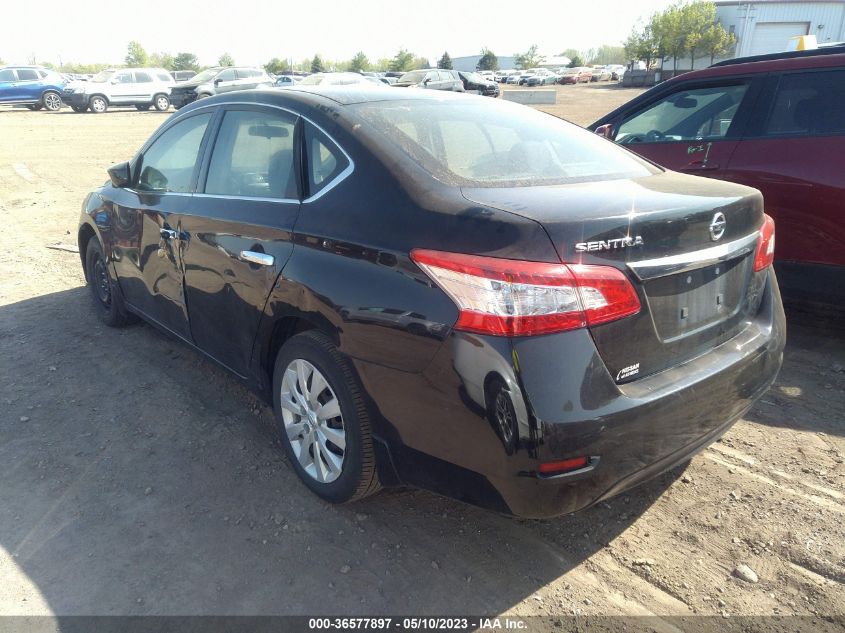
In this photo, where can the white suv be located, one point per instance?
(143, 88)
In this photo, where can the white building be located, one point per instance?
(765, 26)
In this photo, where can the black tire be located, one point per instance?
(108, 300)
(358, 477)
(161, 102)
(98, 104)
(143, 107)
(52, 101)
(34, 106)
(79, 109)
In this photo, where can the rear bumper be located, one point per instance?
(439, 432)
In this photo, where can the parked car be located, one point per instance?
(287, 80)
(218, 80)
(474, 82)
(433, 79)
(576, 75)
(336, 79)
(182, 75)
(773, 122)
(32, 86)
(574, 331)
(541, 78)
(617, 71)
(488, 74)
(502, 75)
(143, 88)
(600, 73)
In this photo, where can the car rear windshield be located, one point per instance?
(470, 142)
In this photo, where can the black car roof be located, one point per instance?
(360, 93)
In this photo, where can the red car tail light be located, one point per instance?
(506, 297)
(766, 246)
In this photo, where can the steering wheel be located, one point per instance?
(655, 135)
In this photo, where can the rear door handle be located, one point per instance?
(261, 259)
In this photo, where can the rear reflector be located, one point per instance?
(766, 245)
(564, 466)
(506, 297)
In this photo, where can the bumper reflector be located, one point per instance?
(564, 466)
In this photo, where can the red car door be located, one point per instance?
(694, 128)
(795, 154)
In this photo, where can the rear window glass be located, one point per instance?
(27, 74)
(809, 103)
(7, 74)
(471, 142)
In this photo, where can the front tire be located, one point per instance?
(98, 104)
(34, 106)
(323, 419)
(161, 102)
(108, 300)
(143, 107)
(79, 109)
(52, 101)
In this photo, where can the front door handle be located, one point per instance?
(700, 165)
(262, 259)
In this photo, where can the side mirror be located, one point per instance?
(120, 175)
(605, 130)
(216, 82)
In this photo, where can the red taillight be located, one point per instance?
(563, 466)
(766, 246)
(506, 297)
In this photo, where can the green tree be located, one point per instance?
(403, 61)
(607, 54)
(570, 53)
(696, 18)
(576, 61)
(717, 41)
(317, 64)
(382, 64)
(528, 59)
(136, 55)
(277, 66)
(359, 63)
(226, 60)
(186, 61)
(162, 60)
(445, 61)
(488, 60)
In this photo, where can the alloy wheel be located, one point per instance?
(313, 421)
(98, 105)
(101, 282)
(52, 101)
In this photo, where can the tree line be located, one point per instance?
(684, 30)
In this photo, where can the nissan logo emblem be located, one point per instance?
(717, 226)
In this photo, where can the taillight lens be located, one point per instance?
(766, 245)
(506, 297)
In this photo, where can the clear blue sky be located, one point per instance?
(253, 31)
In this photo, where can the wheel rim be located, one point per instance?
(162, 103)
(52, 101)
(98, 105)
(313, 422)
(101, 282)
(504, 417)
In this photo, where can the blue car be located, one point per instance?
(32, 86)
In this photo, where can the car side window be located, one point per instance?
(143, 78)
(325, 160)
(168, 164)
(164, 77)
(7, 74)
(226, 75)
(123, 78)
(27, 74)
(808, 104)
(685, 115)
(253, 156)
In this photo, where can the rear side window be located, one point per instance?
(7, 74)
(164, 77)
(143, 78)
(226, 75)
(253, 156)
(325, 160)
(168, 164)
(809, 104)
(685, 115)
(27, 74)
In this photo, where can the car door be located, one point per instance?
(692, 129)
(144, 237)
(8, 84)
(226, 81)
(122, 88)
(29, 85)
(239, 228)
(793, 152)
(144, 87)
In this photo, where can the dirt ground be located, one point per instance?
(138, 478)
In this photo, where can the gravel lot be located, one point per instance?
(138, 478)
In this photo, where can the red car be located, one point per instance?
(576, 75)
(773, 122)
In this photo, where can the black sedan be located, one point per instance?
(464, 295)
(473, 82)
